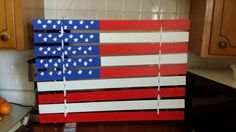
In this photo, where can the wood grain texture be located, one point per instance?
(212, 21)
(19, 16)
(223, 28)
(8, 24)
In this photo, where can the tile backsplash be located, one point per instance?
(14, 83)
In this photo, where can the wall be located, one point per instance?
(14, 84)
(117, 9)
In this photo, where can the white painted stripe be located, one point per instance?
(143, 37)
(112, 106)
(180, 58)
(111, 83)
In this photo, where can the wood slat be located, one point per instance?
(112, 106)
(142, 71)
(112, 116)
(143, 37)
(144, 24)
(180, 58)
(142, 93)
(145, 48)
(111, 83)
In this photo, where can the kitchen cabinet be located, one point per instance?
(15, 23)
(213, 28)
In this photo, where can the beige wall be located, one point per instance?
(117, 9)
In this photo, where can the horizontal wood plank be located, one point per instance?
(112, 106)
(112, 116)
(111, 83)
(142, 93)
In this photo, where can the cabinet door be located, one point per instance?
(7, 32)
(223, 34)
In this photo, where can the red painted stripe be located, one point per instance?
(112, 116)
(111, 95)
(142, 71)
(176, 25)
(128, 49)
(144, 24)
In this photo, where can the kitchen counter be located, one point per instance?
(211, 100)
(223, 76)
(11, 122)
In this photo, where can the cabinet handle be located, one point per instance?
(222, 44)
(4, 37)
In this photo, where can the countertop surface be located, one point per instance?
(223, 76)
(13, 118)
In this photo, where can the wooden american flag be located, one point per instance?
(110, 70)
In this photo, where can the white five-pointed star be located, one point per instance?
(40, 35)
(69, 48)
(54, 52)
(90, 48)
(91, 22)
(45, 39)
(55, 64)
(44, 26)
(81, 22)
(42, 73)
(75, 27)
(59, 73)
(70, 22)
(71, 36)
(76, 39)
(46, 65)
(85, 63)
(45, 52)
(50, 35)
(41, 61)
(49, 49)
(90, 72)
(91, 36)
(80, 72)
(54, 39)
(69, 72)
(58, 22)
(41, 49)
(59, 48)
(39, 21)
(49, 21)
(50, 73)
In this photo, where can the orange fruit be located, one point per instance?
(5, 108)
(2, 100)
